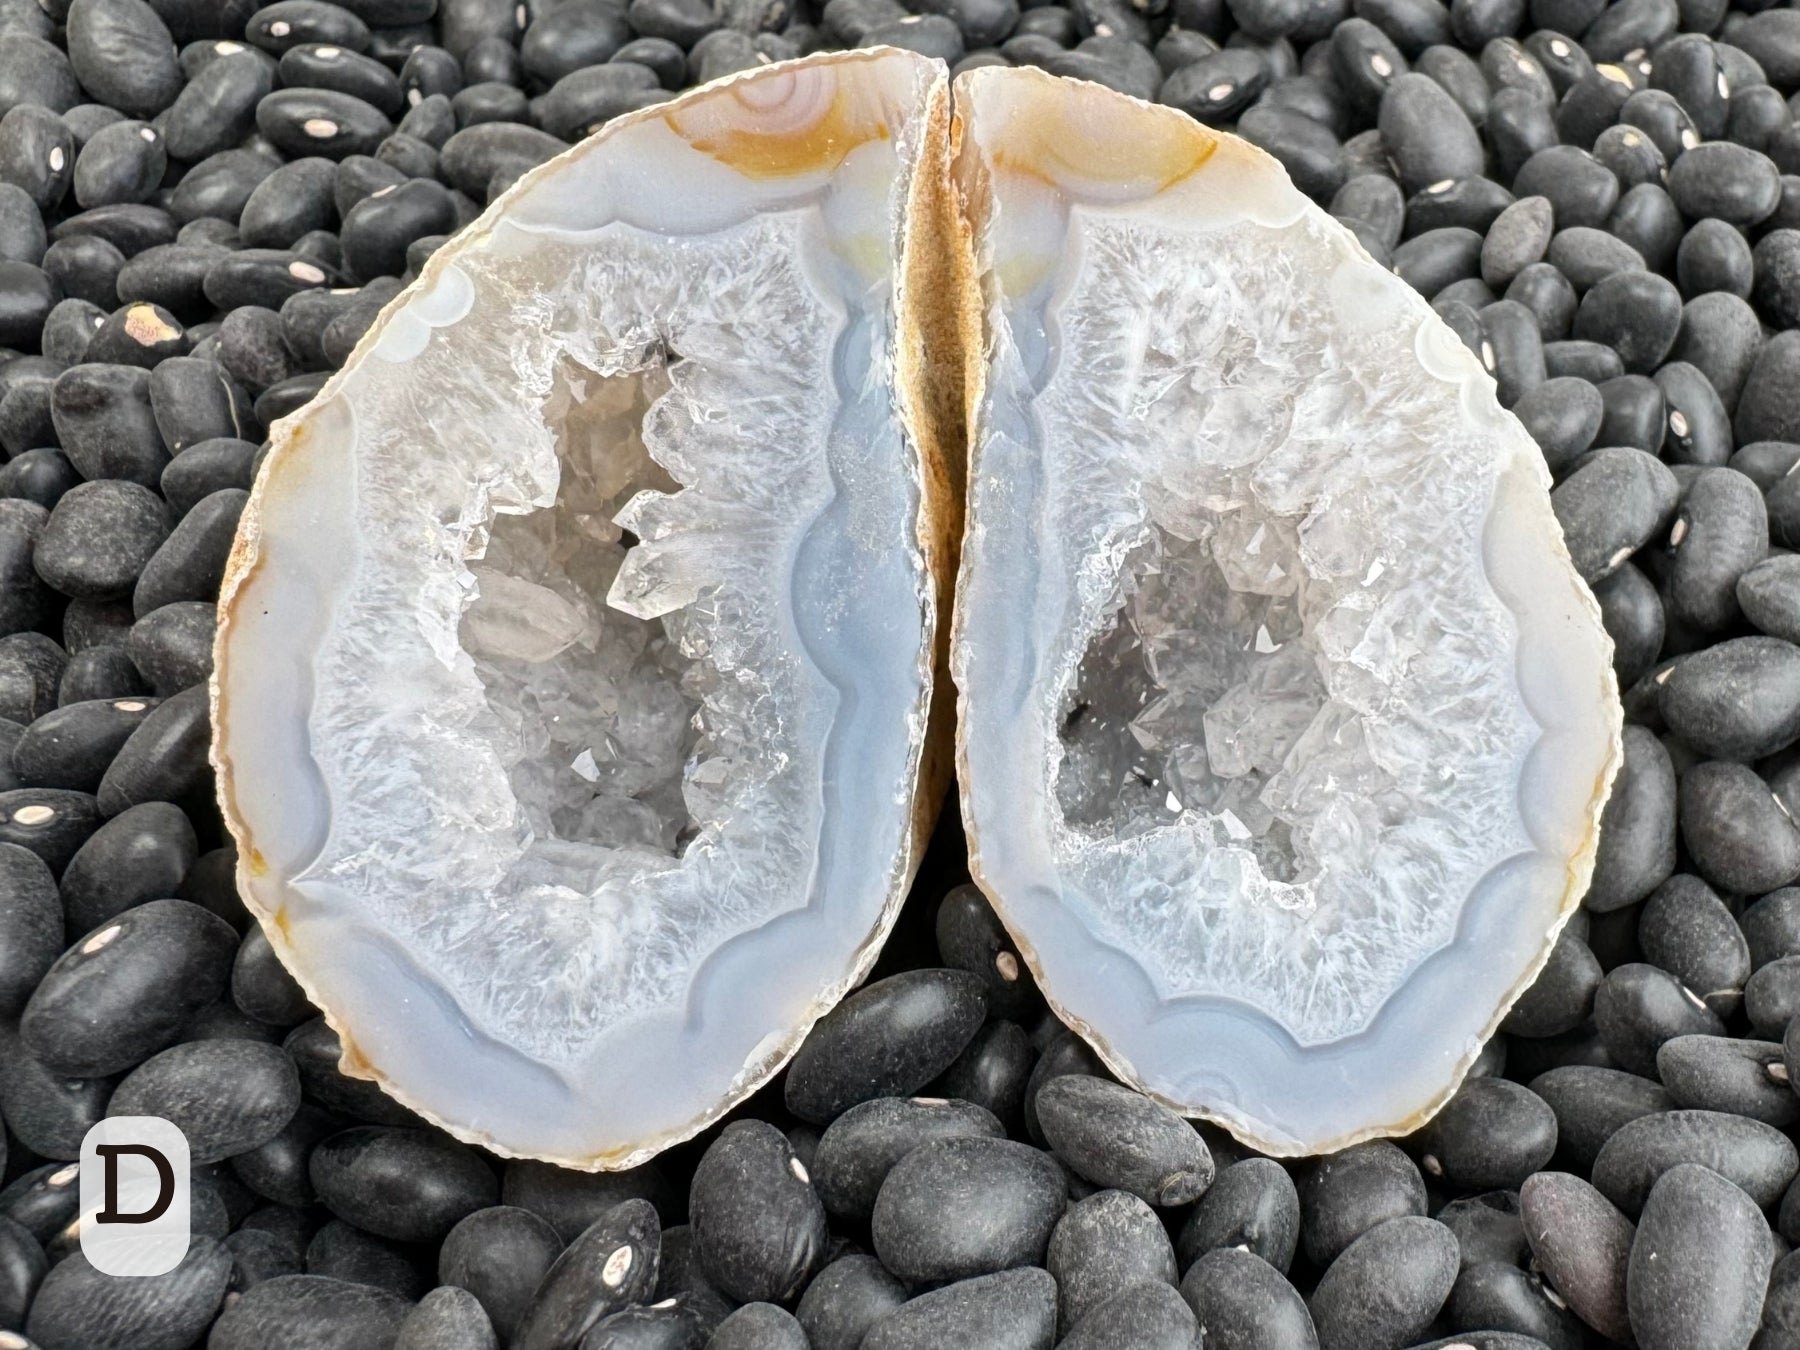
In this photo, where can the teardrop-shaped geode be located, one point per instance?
(576, 660)
(1285, 721)
(576, 655)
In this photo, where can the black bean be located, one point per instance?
(1427, 134)
(71, 746)
(85, 266)
(302, 122)
(668, 1325)
(1588, 256)
(1546, 292)
(1253, 1204)
(1698, 428)
(1064, 1054)
(1741, 1078)
(22, 236)
(406, 1184)
(1637, 828)
(500, 1255)
(1490, 1136)
(51, 822)
(861, 1146)
(1010, 1310)
(129, 227)
(217, 109)
(759, 1228)
(1777, 276)
(43, 1201)
(37, 154)
(289, 23)
(1769, 594)
(315, 65)
(447, 1319)
(1772, 996)
(171, 647)
(955, 1208)
(261, 986)
(1217, 87)
(1345, 1195)
(48, 1112)
(1611, 505)
(379, 228)
(1519, 237)
(1486, 1227)
(1103, 1246)
(1635, 313)
(1714, 256)
(1563, 417)
(309, 1310)
(227, 1097)
(1737, 700)
(1757, 1157)
(474, 156)
(123, 992)
(342, 1251)
(1686, 930)
(101, 672)
(1387, 1286)
(1562, 996)
(1769, 409)
(22, 1267)
(79, 1306)
(1115, 1137)
(1638, 1007)
(68, 329)
(1699, 1263)
(1143, 1317)
(123, 162)
(572, 1201)
(1582, 1244)
(1376, 201)
(1726, 182)
(610, 1266)
(1631, 155)
(1243, 1303)
(887, 1039)
(277, 1168)
(31, 925)
(1739, 835)
(1581, 191)
(31, 664)
(106, 425)
(123, 55)
(1497, 1295)
(27, 295)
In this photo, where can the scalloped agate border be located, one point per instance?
(1434, 1052)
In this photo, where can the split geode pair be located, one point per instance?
(581, 669)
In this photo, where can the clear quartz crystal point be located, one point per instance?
(576, 653)
(1285, 722)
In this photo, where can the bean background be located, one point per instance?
(204, 203)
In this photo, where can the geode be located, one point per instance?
(578, 682)
(576, 654)
(1285, 720)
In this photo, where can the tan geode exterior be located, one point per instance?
(928, 385)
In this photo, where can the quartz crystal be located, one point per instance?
(577, 651)
(1285, 722)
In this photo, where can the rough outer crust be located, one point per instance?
(1580, 867)
(926, 388)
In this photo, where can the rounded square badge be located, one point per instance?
(134, 1196)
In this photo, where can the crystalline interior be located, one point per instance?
(1201, 693)
(602, 706)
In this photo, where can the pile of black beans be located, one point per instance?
(203, 204)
